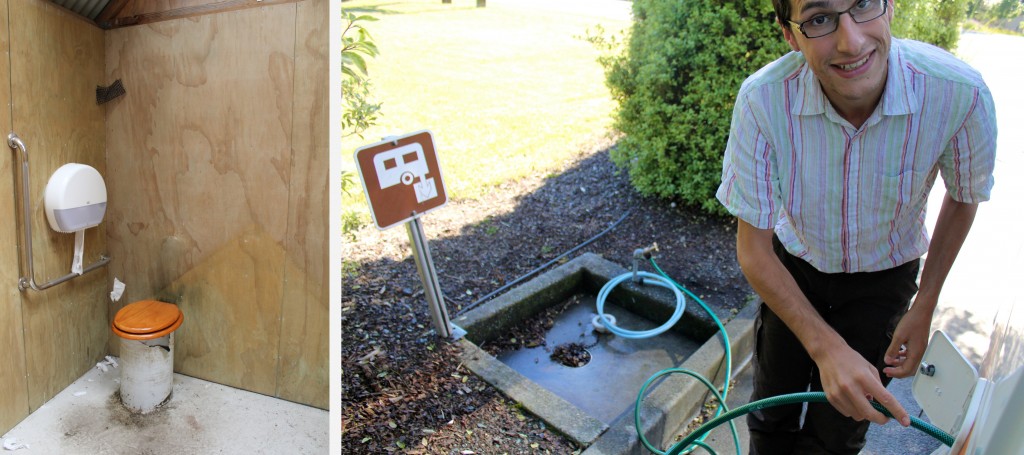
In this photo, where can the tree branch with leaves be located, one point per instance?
(358, 112)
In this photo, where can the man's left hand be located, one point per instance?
(908, 343)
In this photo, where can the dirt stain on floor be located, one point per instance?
(121, 415)
(88, 429)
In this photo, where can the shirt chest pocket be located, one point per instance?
(898, 196)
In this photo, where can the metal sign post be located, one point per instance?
(402, 181)
(428, 275)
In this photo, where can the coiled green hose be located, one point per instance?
(697, 441)
(725, 387)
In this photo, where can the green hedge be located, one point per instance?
(676, 86)
(676, 83)
(932, 21)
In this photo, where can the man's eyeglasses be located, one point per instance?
(822, 24)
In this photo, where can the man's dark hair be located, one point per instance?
(782, 10)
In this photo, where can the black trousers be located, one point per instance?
(864, 309)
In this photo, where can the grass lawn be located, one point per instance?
(507, 90)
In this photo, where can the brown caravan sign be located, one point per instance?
(401, 177)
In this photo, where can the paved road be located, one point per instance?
(986, 275)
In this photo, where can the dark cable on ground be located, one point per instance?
(546, 265)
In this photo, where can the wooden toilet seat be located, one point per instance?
(147, 320)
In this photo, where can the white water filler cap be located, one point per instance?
(75, 198)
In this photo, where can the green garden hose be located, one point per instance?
(696, 442)
(793, 398)
(725, 388)
(696, 438)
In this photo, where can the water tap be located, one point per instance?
(639, 253)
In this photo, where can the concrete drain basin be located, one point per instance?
(603, 384)
(549, 357)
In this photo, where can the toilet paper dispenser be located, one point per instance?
(75, 199)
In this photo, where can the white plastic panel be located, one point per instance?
(945, 394)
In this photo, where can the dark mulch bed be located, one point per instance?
(403, 389)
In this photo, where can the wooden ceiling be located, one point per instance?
(108, 14)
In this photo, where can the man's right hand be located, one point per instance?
(851, 382)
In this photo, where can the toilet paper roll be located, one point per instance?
(76, 263)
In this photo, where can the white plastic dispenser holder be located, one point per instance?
(75, 198)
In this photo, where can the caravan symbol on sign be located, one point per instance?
(401, 177)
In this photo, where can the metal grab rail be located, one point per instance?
(25, 282)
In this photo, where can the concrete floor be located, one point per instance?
(201, 417)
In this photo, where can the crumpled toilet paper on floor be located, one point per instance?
(13, 444)
(110, 361)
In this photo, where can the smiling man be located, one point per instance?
(832, 152)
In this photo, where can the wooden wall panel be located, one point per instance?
(56, 64)
(201, 146)
(231, 303)
(305, 350)
(13, 388)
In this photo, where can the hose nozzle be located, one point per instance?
(647, 251)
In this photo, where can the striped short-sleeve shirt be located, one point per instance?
(853, 200)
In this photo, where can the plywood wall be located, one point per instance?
(304, 333)
(56, 62)
(13, 388)
(220, 208)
